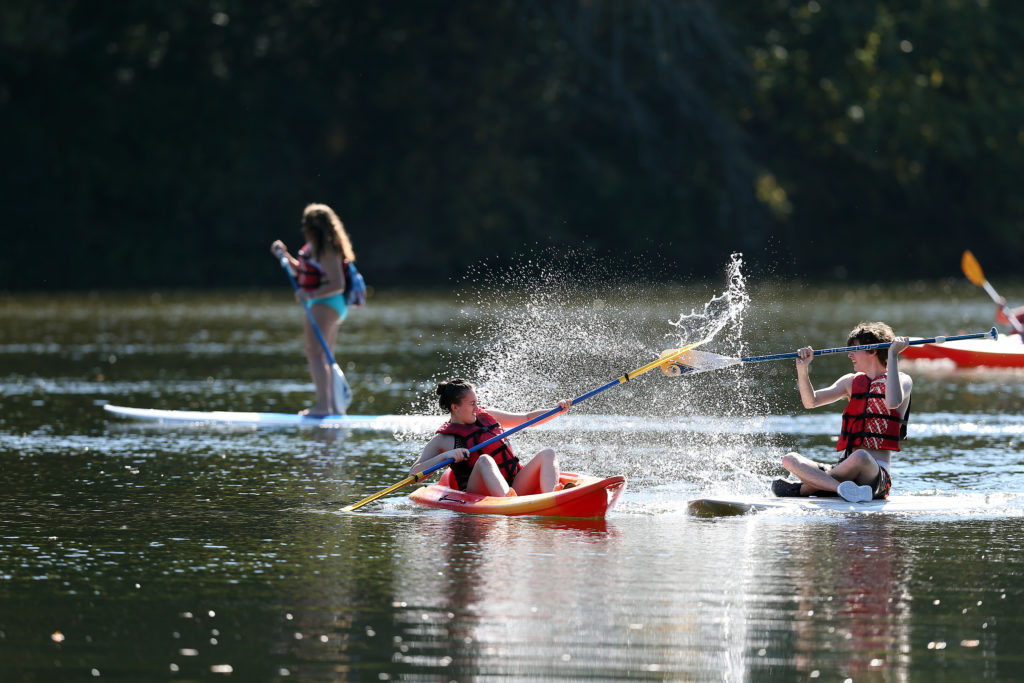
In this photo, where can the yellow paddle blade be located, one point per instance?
(696, 361)
(972, 269)
(666, 357)
(394, 487)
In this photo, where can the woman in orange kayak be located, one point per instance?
(493, 470)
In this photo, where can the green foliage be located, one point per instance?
(901, 118)
(167, 143)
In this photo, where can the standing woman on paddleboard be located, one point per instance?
(320, 270)
(874, 421)
(493, 470)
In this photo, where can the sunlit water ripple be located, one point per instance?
(147, 551)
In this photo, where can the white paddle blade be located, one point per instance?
(696, 361)
(342, 391)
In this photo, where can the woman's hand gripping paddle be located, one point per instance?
(666, 357)
(702, 361)
(342, 391)
(972, 269)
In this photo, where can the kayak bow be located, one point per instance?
(590, 497)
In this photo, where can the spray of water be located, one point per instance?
(558, 325)
(722, 312)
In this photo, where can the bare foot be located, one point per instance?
(310, 412)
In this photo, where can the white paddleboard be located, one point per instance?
(934, 504)
(383, 422)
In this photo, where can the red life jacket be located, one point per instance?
(866, 420)
(469, 435)
(310, 274)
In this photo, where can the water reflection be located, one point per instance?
(112, 530)
(481, 557)
(500, 590)
(852, 597)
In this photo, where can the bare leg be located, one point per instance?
(807, 471)
(486, 478)
(328, 320)
(859, 467)
(540, 475)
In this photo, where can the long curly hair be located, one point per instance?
(325, 231)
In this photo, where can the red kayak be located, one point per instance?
(1005, 352)
(587, 496)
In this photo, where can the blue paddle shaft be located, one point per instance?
(993, 334)
(526, 424)
(305, 304)
(753, 359)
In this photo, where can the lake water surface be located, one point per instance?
(147, 552)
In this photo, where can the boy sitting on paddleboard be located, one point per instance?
(874, 421)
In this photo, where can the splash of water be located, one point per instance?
(723, 311)
(560, 324)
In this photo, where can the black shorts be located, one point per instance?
(882, 484)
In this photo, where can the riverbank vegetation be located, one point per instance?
(167, 144)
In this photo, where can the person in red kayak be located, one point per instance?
(493, 470)
(1017, 313)
(874, 422)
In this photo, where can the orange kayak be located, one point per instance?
(591, 497)
(1005, 352)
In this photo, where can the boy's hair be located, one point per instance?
(872, 333)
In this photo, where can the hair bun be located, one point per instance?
(451, 391)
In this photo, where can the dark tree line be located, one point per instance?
(166, 143)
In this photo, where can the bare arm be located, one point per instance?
(278, 248)
(438, 450)
(808, 396)
(510, 420)
(897, 385)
